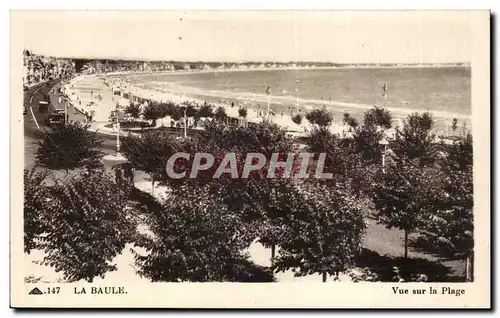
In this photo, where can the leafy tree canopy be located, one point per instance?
(35, 195)
(378, 116)
(153, 112)
(451, 227)
(323, 232)
(196, 239)
(220, 113)
(297, 119)
(242, 112)
(404, 196)
(150, 151)
(86, 225)
(350, 121)
(320, 117)
(134, 110)
(205, 111)
(266, 138)
(416, 140)
(69, 146)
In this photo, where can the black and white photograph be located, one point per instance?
(329, 149)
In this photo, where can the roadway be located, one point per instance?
(33, 133)
(31, 99)
(34, 116)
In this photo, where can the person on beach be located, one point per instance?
(118, 174)
(397, 275)
(91, 116)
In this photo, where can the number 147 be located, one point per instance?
(53, 290)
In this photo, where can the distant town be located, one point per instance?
(92, 66)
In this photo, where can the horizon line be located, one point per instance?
(125, 59)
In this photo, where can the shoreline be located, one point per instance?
(285, 100)
(255, 103)
(287, 68)
(244, 98)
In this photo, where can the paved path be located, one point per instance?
(32, 97)
(34, 119)
(73, 113)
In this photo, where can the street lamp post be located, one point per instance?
(383, 142)
(297, 81)
(117, 130)
(268, 105)
(65, 112)
(185, 122)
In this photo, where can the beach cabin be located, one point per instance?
(116, 91)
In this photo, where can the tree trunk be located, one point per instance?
(471, 266)
(406, 244)
(467, 268)
(324, 277)
(153, 187)
(273, 253)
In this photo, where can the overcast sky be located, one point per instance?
(253, 36)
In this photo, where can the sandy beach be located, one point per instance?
(83, 89)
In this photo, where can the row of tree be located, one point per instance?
(154, 111)
(226, 214)
(427, 187)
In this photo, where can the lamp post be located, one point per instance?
(383, 142)
(65, 112)
(268, 105)
(297, 82)
(268, 93)
(185, 122)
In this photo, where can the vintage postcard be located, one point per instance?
(250, 159)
